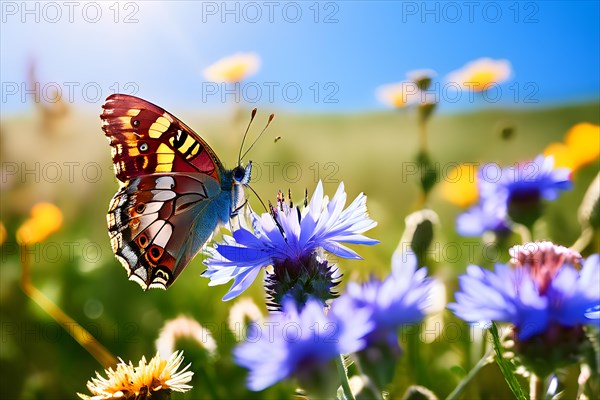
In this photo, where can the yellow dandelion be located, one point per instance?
(460, 185)
(398, 95)
(45, 219)
(480, 74)
(184, 327)
(127, 381)
(234, 68)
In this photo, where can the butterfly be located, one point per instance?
(174, 190)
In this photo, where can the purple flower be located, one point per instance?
(289, 239)
(402, 298)
(543, 290)
(536, 178)
(514, 192)
(300, 343)
(482, 218)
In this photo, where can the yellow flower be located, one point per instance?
(141, 382)
(460, 185)
(399, 94)
(186, 327)
(478, 75)
(45, 219)
(581, 147)
(234, 68)
(563, 156)
(584, 141)
(2, 233)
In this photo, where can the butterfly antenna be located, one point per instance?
(270, 210)
(252, 115)
(258, 197)
(258, 137)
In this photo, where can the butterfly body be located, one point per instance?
(175, 192)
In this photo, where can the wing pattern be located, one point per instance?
(159, 218)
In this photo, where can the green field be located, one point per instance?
(371, 153)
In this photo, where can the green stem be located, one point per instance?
(423, 136)
(415, 357)
(422, 200)
(423, 150)
(368, 382)
(209, 381)
(472, 373)
(339, 362)
(583, 240)
(522, 231)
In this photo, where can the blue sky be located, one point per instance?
(335, 53)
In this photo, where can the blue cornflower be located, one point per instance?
(525, 181)
(514, 193)
(544, 290)
(291, 239)
(401, 298)
(301, 343)
(482, 218)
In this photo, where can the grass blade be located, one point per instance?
(506, 367)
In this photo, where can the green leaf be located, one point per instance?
(506, 367)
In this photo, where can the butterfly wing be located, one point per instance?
(157, 224)
(171, 198)
(147, 139)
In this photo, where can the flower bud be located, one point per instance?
(300, 280)
(419, 232)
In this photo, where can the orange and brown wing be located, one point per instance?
(164, 211)
(146, 139)
(157, 224)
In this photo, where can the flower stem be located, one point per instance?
(79, 333)
(339, 362)
(583, 240)
(369, 383)
(472, 373)
(415, 357)
(536, 387)
(209, 381)
(423, 136)
(522, 231)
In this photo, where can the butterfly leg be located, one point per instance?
(237, 210)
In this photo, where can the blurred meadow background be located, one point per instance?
(342, 79)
